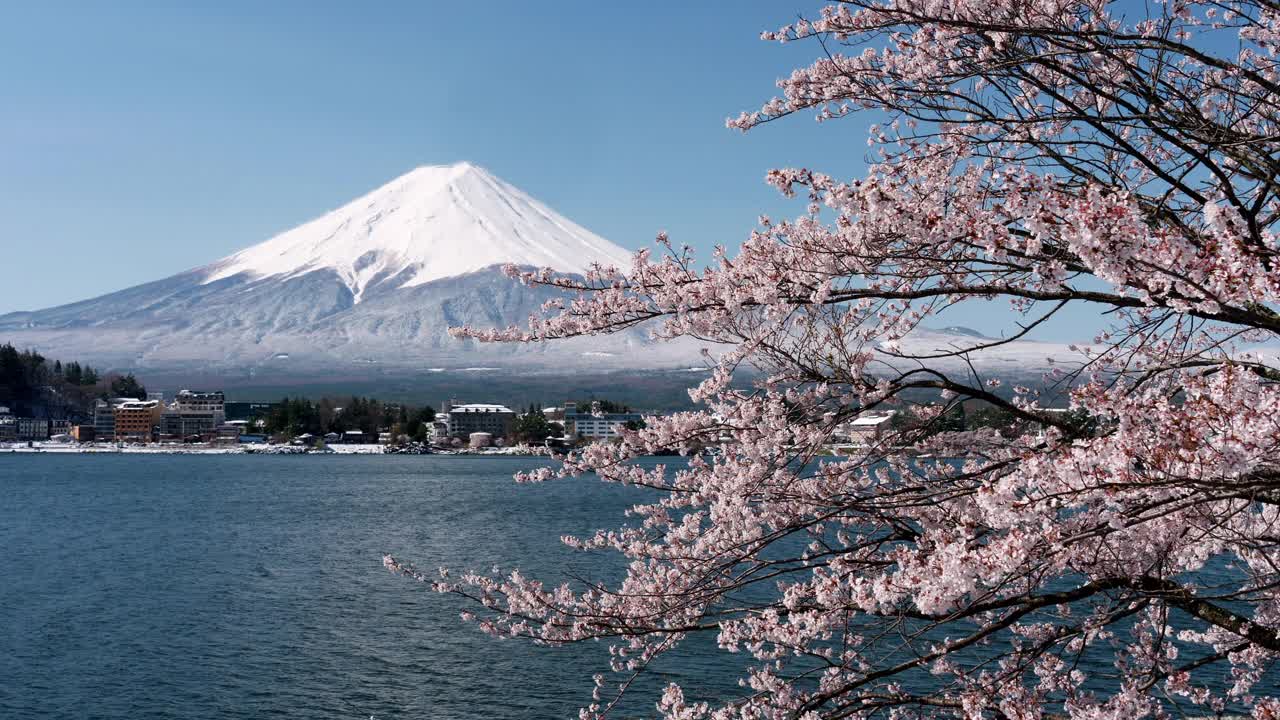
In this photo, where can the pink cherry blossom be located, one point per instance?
(1048, 153)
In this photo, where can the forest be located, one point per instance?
(33, 386)
(297, 416)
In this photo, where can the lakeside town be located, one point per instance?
(204, 420)
(51, 406)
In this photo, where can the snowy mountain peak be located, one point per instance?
(433, 222)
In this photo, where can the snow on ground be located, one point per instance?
(70, 448)
(255, 448)
(356, 449)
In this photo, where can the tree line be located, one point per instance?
(296, 416)
(32, 385)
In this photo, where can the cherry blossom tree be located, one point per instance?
(1044, 153)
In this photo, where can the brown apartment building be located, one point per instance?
(136, 420)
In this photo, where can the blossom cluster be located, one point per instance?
(1049, 153)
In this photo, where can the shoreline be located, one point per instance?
(52, 448)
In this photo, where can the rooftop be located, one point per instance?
(481, 407)
(139, 404)
(871, 420)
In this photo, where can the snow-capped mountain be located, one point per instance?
(432, 223)
(378, 280)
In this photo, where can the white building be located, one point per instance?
(440, 432)
(866, 429)
(603, 426)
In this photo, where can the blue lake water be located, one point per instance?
(231, 586)
(251, 586)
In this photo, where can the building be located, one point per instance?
(229, 432)
(440, 432)
(83, 433)
(248, 410)
(178, 425)
(497, 420)
(8, 425)
(33, 429)
(193, 415)
(479, 440)
(867, 429)
(59, 427)
(190, 402)
(104, 418)
(603, 426)
(137, 420)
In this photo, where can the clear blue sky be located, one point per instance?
(137, 141)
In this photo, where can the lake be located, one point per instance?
(230, 586)
(241, 586)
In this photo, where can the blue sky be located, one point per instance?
(138, 141)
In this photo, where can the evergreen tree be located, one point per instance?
(127, 386)
(604, 406)
(418, 424)
(532, 426)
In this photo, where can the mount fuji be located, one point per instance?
(430, 224)
(377, 281)
(371, 288)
